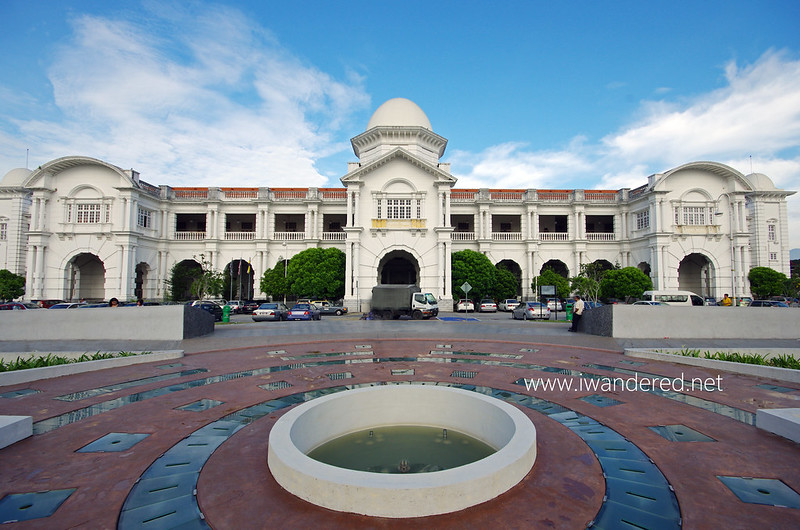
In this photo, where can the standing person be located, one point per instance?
(726, 301)
(577, 312)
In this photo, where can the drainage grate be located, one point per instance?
(113, 442)
(601, 401)
(277, 385)
(680, 433)
(27, 506)
(19, 393)
(771, 492)
(444, 345)
(462, 373)
(167, 366)
(403, 371)
(363, 346)
(340, 375)
(201, 405)
(84, 394)
(529, 350)
(776, 388)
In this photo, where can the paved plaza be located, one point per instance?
(184, 443)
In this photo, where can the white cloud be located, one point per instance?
(230, 107)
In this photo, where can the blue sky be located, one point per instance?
(529, 94)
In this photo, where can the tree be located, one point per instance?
(193, 279)
(476, 269)
(551, 277)
(587, 282)
(624, 283)
(275, 283)
(766, 282)
(505, 284)
(208, 282)
(11, 285)
(317, 272)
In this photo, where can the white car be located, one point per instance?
(488, 306)
(649, 302)
(508, 304)
(465, 305)
(554, 305)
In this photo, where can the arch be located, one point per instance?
(182, 275)
(238, 280)
(645, 268)
(86, 278)
(696, 273)
(696, 195)
(85, 191)
(514, 268)
(603, 265)
(398, 267)
(399, 185)
(141, 286)
(557, 266)
(58, 165)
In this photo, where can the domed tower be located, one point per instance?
(398, 219)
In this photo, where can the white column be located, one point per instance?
(349, 220)
(348, 267)
(356, 267)
(448, 267)
(356, 209)
(42, 214)
(447, 213)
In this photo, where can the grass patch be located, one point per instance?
(779, 361)
(55, 360)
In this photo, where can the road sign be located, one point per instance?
(466, 287)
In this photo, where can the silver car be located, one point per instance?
(531, 311)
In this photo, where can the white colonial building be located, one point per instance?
(78, 227)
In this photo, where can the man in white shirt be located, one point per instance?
(577, 312)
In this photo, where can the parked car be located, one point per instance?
(531, 311)
(744, 301)
(327, 308)
(211, 307)
(768, 303)
(304, 312)
(465, 305)
(588, 304)
(103, 304)
(271, 311)
(647, 302)
(555, 304)
(247, 308)
(67, 305)
(18, 306)
(508, 304)
(235, 305)
(47, 303)
(488, 306)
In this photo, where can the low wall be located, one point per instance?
(151, 323)
(684, 322)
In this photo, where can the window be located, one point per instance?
(145, 218)
(773, 256)
(771, 232)
(398, 208)
(3, 231)
(88, 213)
(643, 220)
(693, 215)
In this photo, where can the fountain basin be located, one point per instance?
(307, 426)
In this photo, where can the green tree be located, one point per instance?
(182, 276)
(766, 282)
(587, 282)
(317, 272)
(505, 284)
(209, 282)
(275, 283)
(476, 269)
(551, 277)
(11, 285)
(624, 283)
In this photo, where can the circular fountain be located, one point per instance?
(491, 421)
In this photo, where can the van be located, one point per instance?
(674, 297)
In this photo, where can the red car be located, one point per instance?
(17, 306)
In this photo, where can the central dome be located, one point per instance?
(399, 112)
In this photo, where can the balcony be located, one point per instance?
(506, 236)
(240, 236)
(600, 236)
(463, 195)
(606, 196)
(554, 195)
(239, 193)
(288, 194)
(288, 236)
(334, 236)
(190, 194)
(554, 236)
(189, 236)
(462, 236)
(333, 194)
(507, 195)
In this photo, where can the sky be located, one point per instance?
(529, 94)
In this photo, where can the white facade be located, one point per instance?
(78, 227)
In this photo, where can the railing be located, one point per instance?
(554, 195)
(553, 236)
(288, 236)
(507, 195)
(334, 236)
(463, 195)
(462, 236)
(240, 236)
(600, 195)
(333, 194)
(191, 193)
(506, 236)
(189, 236)
(600, 236)
(151, 190)
(240, 193)
(288, 194)
(638, 191)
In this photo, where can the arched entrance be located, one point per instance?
(238, 280)
(86, 278)
(557, 266)
(644, 267)
(181, 278)
(140, 280)
(398, 267)
(696, 274)
(514, 268)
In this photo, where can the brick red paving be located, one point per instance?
(565, 488)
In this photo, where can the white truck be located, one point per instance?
(394, 301)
